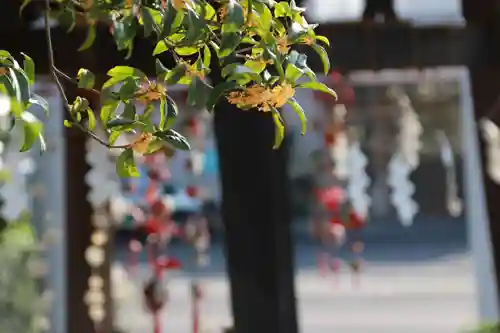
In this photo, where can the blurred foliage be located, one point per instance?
(22, 309)
(486, 328)
(251, 42)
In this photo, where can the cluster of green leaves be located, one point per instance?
(16, 91)
(250, 41)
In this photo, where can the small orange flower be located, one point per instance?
(261, 97)
(151, 91)
(308, 40)
(141, 143)
(179, 4)
(283, 44)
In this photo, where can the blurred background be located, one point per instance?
(381, 239)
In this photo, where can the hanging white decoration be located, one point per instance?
(453, 203)
(357, 187)
(102, 180)
(491, 135)
(402, 189)
(340, 150)
(406, 158)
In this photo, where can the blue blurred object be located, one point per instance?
(182, 202)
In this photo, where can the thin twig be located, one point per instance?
(55, 72)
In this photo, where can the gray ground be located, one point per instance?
(407, 288)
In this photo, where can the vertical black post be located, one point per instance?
(257, 218)
(484, 67)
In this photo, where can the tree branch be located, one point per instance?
(55, 72)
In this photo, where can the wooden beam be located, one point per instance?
(357, 46)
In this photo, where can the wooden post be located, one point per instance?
(484, 67)
(257, 219)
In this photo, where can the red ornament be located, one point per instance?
(331, 197)
(329, 139)
(168, 263)
(192, 191)
(340, 85)
(158, 208)
(355, 221)
(153, 226)
(193, 127)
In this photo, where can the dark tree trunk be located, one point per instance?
(484, 68)
(256, 214)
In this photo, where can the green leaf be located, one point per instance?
(119, 121)
(318, 86)
(148, 21)
(234, 19)
(108, 110)
(29, 68)
(129, 111)
(281, 9)
(32, 130)
(300, 113)
(67, 18)
(227, 70)
(160, 47)
(255, 65)
(39, 100)
(21, 85)
(217, 92)
(171, 113)
(169, 16)
(323, 56)
(186, 51)
(207, 57)
(173, 138)
(279, 131)
(229, 43)
(323, 39)
(265, 16)
(23, 5)
(125, 71)
(89, 40)
(86, 79)
(161, 70)
(112, 81)
(129, 88)
(91, 122)
(175, 74)
(197, 92)
(293, 73)
(125, 164)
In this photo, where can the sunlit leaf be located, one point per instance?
(86, 79)
(39, 100)
(318, 86)
(300, 113)
(29, 68)
(325, 60)
(279, 130)
(125, 164)
(32, 130)
(89, 40)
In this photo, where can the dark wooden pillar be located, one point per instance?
(484, 67)
(256, 214)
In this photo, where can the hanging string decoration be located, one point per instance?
(406, 158)
(342, 184)
(104, 186)
(491, 136)
(197, 230)
(454, 204)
